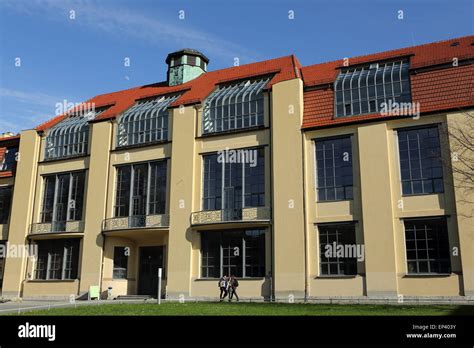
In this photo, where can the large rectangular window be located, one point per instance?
(120, 263)
(240, 253)
(332, 239)
(63, 198)
(57, 259)
(234, 106)
(363, 90)
(421, 167)
(141, 189)
(5, 203)
(233, 184)
(427, 246)
(334, 168)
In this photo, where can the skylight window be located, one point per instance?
(70, 137)
(235, 106)
(145, 122)
(362, 90)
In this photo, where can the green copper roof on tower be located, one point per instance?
(185, 65)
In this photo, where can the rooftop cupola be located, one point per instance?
(185, 65)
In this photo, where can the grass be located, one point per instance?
(272, 309)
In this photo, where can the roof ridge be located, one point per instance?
(393, 50)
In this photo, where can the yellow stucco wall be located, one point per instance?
(378, 208)
(292, 247)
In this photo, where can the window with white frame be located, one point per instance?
(57, 259)
(362, 90)
(421, 166)
(145, 122)
(63, 198)
(334, 179)
(240, 253)
(234, 106)
(234, 185)
(70, 137)
(120, 263)
(427, 245)
(141, 189)
(333, 237)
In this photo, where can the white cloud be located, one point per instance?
(30, 98)
(24, 110)
(114, 20)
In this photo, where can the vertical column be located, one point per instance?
(377, 210)
(95, 206)
(181, 194)
(287, 188)
(21, 210)
(463, 193)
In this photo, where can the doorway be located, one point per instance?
(151, 258)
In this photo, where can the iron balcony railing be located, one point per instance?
(256, 214)
(136, 221)
(57, 227)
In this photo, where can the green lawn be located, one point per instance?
(207, 308)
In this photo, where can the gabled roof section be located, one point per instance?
(192, 92)
(421, 56)
(435, 83)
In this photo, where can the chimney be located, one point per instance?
(185, 65)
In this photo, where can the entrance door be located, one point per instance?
(151, 258)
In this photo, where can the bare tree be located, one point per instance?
(459, 138)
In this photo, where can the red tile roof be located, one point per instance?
(195, 91)
(434, 86)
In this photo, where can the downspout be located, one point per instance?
(305, 230)
(27, 239)
(272, 268)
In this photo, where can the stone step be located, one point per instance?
(133, 297)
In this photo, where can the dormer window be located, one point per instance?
(70, 137)
(362, 90)
(145, 122)
(234, 106)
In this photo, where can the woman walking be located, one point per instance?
(233, 284)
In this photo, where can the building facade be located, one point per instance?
(328, 181)
(8, 150)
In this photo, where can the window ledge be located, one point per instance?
(422, 194)
(217, 279)
(64, 158)
(427, 275)
(232, 131)
(349, 276)
(51, 280)
(135, 146)
(335, 200)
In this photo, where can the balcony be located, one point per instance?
(136, 221)
(254, 214)
(58, 227)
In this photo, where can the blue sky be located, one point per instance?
(75, 59)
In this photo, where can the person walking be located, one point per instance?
(223, 284)
(233, 284)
